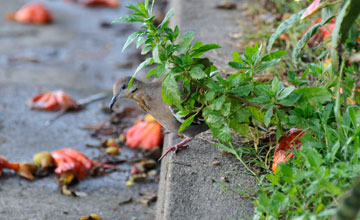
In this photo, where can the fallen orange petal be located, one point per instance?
(35, 13)
(144, 134)
(52, 101)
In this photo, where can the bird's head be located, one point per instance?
(121, 89)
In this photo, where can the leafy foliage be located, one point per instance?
(324, 167)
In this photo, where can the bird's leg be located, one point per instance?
(176, 147)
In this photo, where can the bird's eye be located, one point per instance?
(123, 86)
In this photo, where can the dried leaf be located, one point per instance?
(285, 144)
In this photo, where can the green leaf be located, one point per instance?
(236, 57)
(142, 7)
(219, 102)
(141, 41)
(155, 54)
(131, 38)
(290, 100)
(286, 92)
(242, 90)
(275, 85)
(128, 19)
(304, 40)
(136, 9)
(267, 65)
(273, 55)
(345, 19)
(146, 49)
(225, 110)
(157, 71)
(199, 51)
(268, 116)
(147, 4)
(238, 65)
(314, 95)
(197, 45)
(312, 156)
(146, 62)
(186, 123)
(283, 27)
(196, 72)
(188, 37)
(170, 90)
(168, 15)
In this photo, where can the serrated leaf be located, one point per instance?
(131, 38)
(157, 71)
(146, 49)
(146, 62)
(219, 102)
(141, 40)
(182, 47)
(290, 100)
(225, 110)
(314, 95)
(285, 92)
(168, 15)
(128, 19)
(186, 123)
(283, 27)
(196, 72)
(170, 90)
(268, 116)
(242, 90)
(135, 8)
(312, 156)
(275, 85)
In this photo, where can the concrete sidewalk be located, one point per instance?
(189, 183)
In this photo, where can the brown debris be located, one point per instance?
(226, 5)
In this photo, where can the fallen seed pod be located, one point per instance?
(44, 160)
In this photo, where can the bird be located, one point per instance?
(148, 97)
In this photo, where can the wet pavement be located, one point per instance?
(81, 54)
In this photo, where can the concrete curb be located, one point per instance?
(190, 185)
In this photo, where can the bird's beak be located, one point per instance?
(113, 101)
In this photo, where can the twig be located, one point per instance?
(81, 104)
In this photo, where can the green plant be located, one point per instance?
(309, 186)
